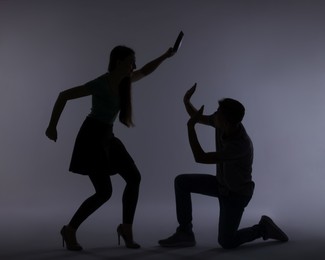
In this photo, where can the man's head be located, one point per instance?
(230, 113)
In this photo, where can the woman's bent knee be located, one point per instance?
(179, 179)
(103, 196)
(134, 179)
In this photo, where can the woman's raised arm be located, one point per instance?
(151, 66)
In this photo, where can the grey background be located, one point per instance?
(267, 54)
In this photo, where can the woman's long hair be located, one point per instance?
(125, 115)
(120, 53)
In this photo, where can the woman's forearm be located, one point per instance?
(152, 65)
(57, 111)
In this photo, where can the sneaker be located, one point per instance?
(271, 230)
(179, 239)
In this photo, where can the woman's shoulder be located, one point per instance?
(103, 77)
(99, 81)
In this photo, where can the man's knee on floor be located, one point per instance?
(227, 242)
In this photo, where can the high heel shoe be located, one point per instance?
(125, 232)
(69, 238)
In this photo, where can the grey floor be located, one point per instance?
(33, 234)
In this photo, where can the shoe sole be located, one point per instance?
(274, 226)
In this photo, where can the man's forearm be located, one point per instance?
(191, 110)
(197, 150)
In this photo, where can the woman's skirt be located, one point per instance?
(97, 150)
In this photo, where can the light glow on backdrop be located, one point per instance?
(268, 54)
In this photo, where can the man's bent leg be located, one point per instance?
(186, 184)
(231, 211)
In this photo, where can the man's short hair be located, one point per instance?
(232, 109)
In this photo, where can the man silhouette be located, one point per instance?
(232, 185)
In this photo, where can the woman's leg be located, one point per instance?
(125, 166)
(132, 177)
(103, 187)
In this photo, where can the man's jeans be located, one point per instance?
(231, 209)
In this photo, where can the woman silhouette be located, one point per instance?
(97, 152)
